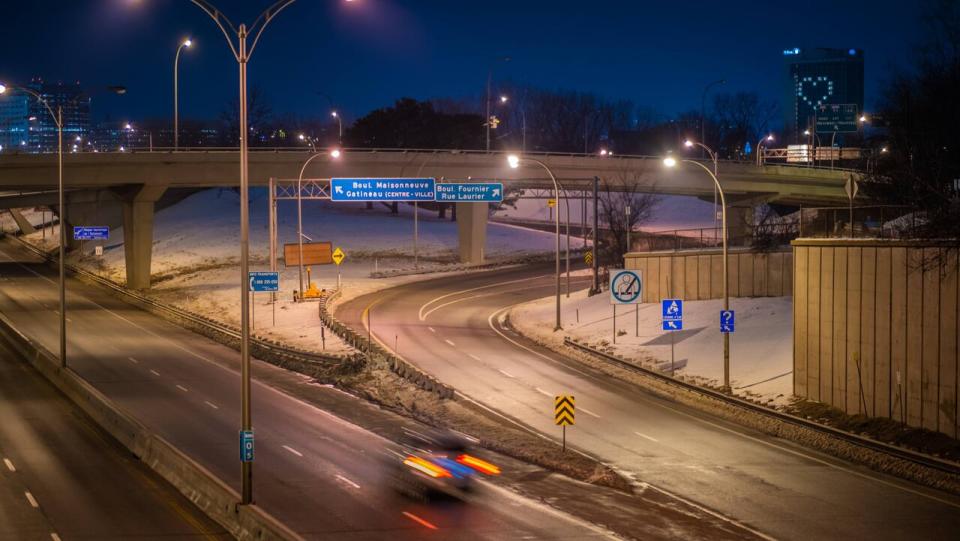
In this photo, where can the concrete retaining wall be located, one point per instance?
(876, 329)
(209, 493)
(698, 274)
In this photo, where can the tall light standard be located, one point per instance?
(187, 43)
(242, 55)
(672, 162)
(514, 161)
(333, 154)
(336, 115)
(713, 157)
(58, 121)
(487, 120)
(768, 139)
(703, 112)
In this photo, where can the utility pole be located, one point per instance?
(596, 228)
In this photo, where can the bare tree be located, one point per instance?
(615, 197)
(259, 113)
(739, 119)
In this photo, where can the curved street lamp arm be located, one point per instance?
(306, 163)
(221, 20)
(264, 19)
(716, 181)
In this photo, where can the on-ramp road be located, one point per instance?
(448, 327)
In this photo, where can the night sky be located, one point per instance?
(366, 53)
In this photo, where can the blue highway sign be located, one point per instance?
(626, 286)
(264, 281)
(382, 189)
(672, 309)
(727, 321)
(489, 192)
(672, 325)
(246, 446)
(87, 232)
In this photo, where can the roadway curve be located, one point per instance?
(448, 327)
(317, 473)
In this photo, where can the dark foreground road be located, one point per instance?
(449, 328)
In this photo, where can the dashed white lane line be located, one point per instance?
(54, 537)
(588, 412)
(474, 357)
(134, 361)
(31, 499)
(292, 450)
(212, 405)
(182, 388)
(419, 520)
(432, 329)
(505, 373)
(9, 465)
(451, 343)
(647, 437)
(541, 391)
(347, 481)
(154, 372)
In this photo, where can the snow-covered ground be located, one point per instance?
(196, 256)
(672, 212)
(761, 349)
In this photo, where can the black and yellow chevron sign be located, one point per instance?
(563, 410)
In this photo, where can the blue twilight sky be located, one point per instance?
(366, 53)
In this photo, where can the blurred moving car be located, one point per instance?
(437, 462)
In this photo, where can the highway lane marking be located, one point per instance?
(9, 465)
(134, 361)
(54, 537)
(472, 356)
(422, 316)
(418, 520)
(471, 297)
(31, 499)
(588, 412)
(211, 404)
(647, 437)
(451, 343)
(541, 391)
(347, 481)
(182, 388)
(505, 373)
(292, 450)
(432, 329)
(154, 372)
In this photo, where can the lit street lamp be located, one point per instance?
(187, 43)
(769, 139)
(242, 56)
(334, 154)
(713, 157)
(514, 161)
(671, 163)
(487, 119)
(335, 115)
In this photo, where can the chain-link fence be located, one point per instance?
(876, 221)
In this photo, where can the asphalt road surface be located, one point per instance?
(449, 328)
(61, 475)
(320, 475)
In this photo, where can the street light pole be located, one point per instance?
(336, 115)
(670, 162)
(176, 109)
(514, 162)
(335, 154)
(713, 157)
(242, 55)
(488, 98)
(768, 138)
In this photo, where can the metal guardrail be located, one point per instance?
(225, 331)
(898, 452)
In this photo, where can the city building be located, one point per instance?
(824, 87)
(14, 120)
(27, 124)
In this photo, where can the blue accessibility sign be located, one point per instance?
(673, 325)
(88, 232)
(382, 189)
(727, 321)
(672, 309)
(465, 192)
(626, 286)
(246, 446)
(264, 281)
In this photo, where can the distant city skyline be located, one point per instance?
(367, 53)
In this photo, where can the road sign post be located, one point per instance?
(338, 256)
(564, 413)
(260, 282)
(671, 313)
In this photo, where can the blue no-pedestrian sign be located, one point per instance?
(246, 446)
(673, 325)
(469, 192)
(626, 286)
(672, 309)
(91, 232)
(264, 281)
(382, 189)
(727, 321)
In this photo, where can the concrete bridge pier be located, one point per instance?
(138, 208)
(22, 223)
(472, 229)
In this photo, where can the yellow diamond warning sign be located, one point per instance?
(338, 256)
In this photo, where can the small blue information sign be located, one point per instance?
(246, 446)
(673, 325)
(727, 321)
(672, 309)
(465, 192)
(264, 281)
(91, 232)
(382, 189)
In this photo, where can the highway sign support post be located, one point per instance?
(596, 228)
(671, 312)
(262, 281)
(626, 287)
(338, 256)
